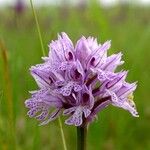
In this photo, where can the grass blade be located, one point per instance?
(62, 134)
(38, 28)
(42, 46)
(8, 92)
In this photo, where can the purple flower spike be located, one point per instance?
(78, 82)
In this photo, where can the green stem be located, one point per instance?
(62, 134)
(38, 28)
(43, 51)
(81, 137)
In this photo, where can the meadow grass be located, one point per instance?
(129, 29)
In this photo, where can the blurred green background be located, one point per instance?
(128, 26)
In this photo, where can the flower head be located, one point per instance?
(19, 7)
(78, 82)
